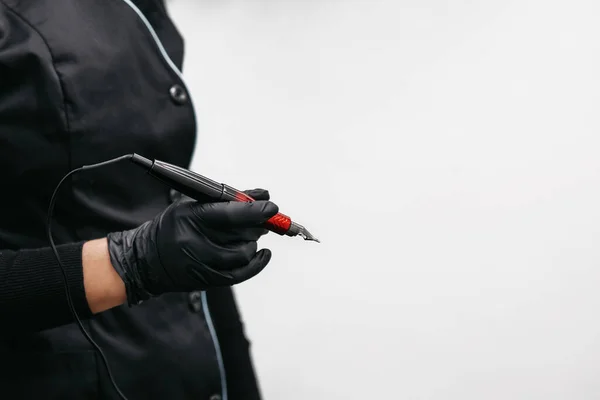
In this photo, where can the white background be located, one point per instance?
(447, 154)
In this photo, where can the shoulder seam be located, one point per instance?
(58, 77)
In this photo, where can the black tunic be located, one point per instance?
(83, 81)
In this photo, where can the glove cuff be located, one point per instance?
(125, 262)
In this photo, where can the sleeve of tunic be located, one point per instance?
(32, 290)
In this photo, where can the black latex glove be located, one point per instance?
(193, 246)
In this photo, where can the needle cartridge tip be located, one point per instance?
(308, 236)
(297, 229)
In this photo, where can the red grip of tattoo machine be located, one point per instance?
(200, 187)
(279, 223)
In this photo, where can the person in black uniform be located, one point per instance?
(150, 273)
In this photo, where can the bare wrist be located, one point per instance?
(104, 288)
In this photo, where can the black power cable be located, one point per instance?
(69, 299)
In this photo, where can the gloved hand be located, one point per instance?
(193, 246)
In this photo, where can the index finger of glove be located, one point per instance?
(258, 194)
(236, 214)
